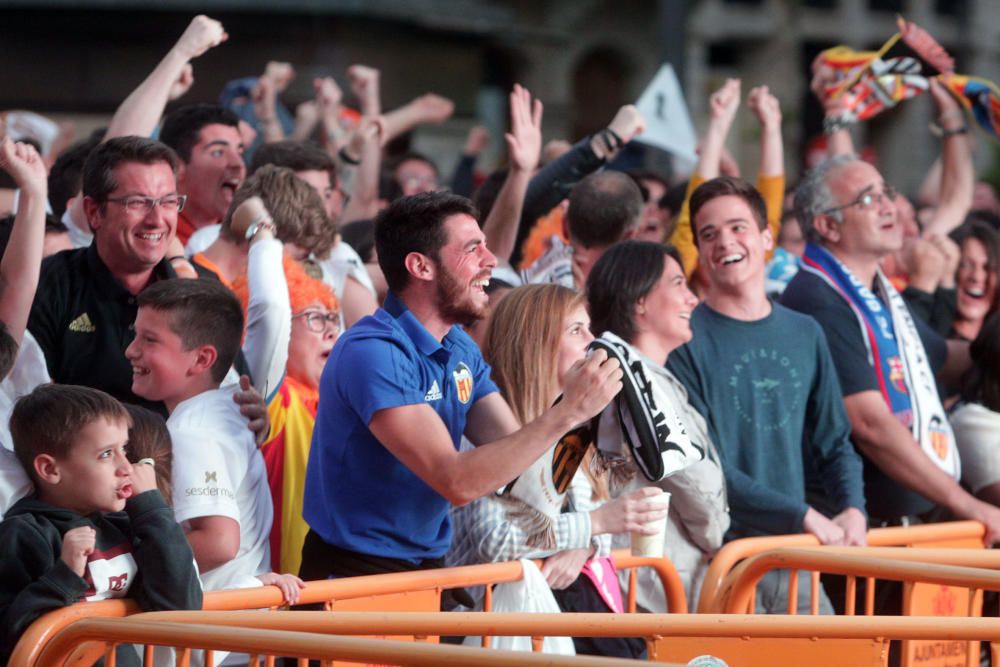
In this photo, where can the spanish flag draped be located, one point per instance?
(293, 413)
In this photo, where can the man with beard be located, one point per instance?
(400, 389)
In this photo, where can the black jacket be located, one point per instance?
(34, 579)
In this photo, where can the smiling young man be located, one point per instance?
(762, 377)
(885, 358)
(400, 389)
(207, 139)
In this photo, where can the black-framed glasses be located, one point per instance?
(143, 204)
(318, 322)
(867, 199)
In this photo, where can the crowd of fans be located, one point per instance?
(263, 351)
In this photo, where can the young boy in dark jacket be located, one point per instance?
(71, 541)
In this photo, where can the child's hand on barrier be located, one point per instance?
(289, 584)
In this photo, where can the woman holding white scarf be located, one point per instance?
(637, 291)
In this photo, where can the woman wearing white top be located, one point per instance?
(637, 291)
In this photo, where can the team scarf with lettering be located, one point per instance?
(896, 353)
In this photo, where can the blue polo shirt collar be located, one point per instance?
(426, 343)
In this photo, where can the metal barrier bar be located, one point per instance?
(28, 648)
(298, 644)
(733, 552)
(737, 590)
(596, 625)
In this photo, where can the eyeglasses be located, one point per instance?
(142, 204)
(867, 200)
(318, 322)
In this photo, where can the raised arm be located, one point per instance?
(365, 145)
(418, 438)
(141, 110)
(462, 178)
(722, 106)
(429, 109)
(554, 181)
(328, 107)
(269, 309)
(957, 173)
(767, 109)
(836, 121)
(771, 174)
(276, 77)
(524, 146)
(22, 259)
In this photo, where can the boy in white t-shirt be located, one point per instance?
(187, 333)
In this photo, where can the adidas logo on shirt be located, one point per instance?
(434, 393)
(82, 324)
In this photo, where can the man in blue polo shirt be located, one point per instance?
(400, 389)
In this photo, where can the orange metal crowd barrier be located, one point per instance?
(301, 645)
(409, 591)
(936, 582)
(960, 534)
(741, 640)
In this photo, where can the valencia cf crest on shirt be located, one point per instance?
(463, 382)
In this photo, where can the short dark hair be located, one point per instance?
(295, 155)
(981, 383)
(602, 208)
(727, 186)
(98, 171)
(203, 312)
(623, 275)
(295, 206)
(182, 126)
(49, 419)
(414, 224)
(8, 351)
(148, 438)
(66, 174)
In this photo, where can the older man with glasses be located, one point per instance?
(886, 359)
(85, 306)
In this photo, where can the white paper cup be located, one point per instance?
(651, 546)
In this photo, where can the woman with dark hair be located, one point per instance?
(976, 422)
(976, 278)
(637, 291)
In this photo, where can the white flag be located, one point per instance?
(668, 123)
